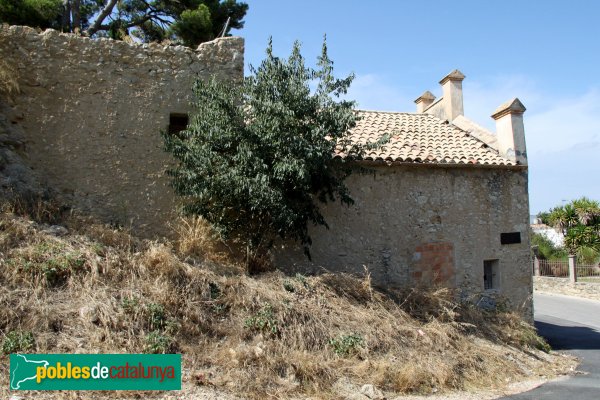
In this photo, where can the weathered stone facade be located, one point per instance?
(431, 208)
(445, 203)
(415, 225)
(92, 111)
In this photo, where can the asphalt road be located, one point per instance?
(571, 325)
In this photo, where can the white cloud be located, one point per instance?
(564, 175)
(372, 92)
(552, 123)
(566, 124)
(562, 132)
(481, 98)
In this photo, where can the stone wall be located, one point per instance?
(91, 112)
(414, 225)
(564, 286)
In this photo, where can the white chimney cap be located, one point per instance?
(513, 106)
(455, 75)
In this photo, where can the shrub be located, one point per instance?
(579, 220)
(288, 285)
(215, 292)
(546, 249)
(17, 341)
(263, 321)
(159, 343)
(130, 304)
(52, 261)
(157, 318)
(347, 345)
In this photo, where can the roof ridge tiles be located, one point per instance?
(421, 138)
(393, 112)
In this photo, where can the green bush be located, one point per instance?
(546, 248)
(50, 260)
(263, 321)
(36, 13)
(288, 285)
(130, 304)
(158, 342)
(215, 291)
(579, 220)
(347, 345)
(17, 341)
(529, 337)
(157, 316)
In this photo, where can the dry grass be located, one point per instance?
(195, 237)
(33, 208)
(270, 335)
(8, 78)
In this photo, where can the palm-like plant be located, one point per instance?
(588, 211)
(563, 218)
(579, 221)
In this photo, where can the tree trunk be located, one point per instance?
(76, 17)
(95, 27)
(66, 17)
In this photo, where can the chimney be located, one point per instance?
(510, 131)
(453, 98)
(424, 101)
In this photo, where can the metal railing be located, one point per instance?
(588, 273)
(566, 269)
(556, 268)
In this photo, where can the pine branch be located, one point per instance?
(106, 11)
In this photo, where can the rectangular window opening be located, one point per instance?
(177, 123)
(510, 238)
(491, 274)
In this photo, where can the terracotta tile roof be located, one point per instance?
(421, 138)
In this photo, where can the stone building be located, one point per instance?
(90, 112)
(445, 201)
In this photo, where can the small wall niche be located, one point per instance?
(178, 122)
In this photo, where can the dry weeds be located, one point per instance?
(98, 289)
(8, 78)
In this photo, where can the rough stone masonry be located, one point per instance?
(88, 120)
(419, 225)
(90, 113)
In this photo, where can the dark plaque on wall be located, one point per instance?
(510, 237)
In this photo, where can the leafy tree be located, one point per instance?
(579, 221)
(37, 13)
(189, 22)
(256, 158)
(203, 21)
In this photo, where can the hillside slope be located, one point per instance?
(81, 287)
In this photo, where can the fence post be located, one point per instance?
(536, 262)
(573, 268)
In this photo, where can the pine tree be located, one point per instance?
(189, 22)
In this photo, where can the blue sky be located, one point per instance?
(546, 53)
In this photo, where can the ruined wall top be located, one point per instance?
(224, 56)
(91, 113)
